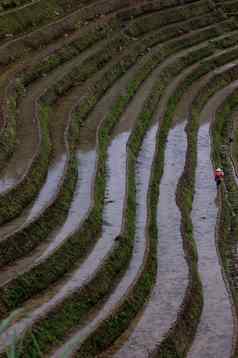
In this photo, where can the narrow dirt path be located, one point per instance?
(215, 331)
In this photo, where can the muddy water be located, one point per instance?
(48, 191)
(80, 203)
(215, 331)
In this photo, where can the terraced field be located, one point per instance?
(114, 240)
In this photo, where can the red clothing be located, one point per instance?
(218, 174)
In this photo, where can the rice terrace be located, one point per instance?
(119, 178)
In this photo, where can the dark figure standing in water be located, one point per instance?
(218, 176)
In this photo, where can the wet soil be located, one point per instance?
(215, 331)
(80, 203)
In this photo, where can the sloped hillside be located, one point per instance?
(114, 240)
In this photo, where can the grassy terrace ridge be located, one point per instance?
(24, 193)
(79, 244)
(37, 14)
(126, 60)
(40, 13)
(115, 11)
(13, 4)
(9, 209)
(222, 129)
(73, 307)
(8, 134)
(231, 7)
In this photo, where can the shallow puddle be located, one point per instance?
(215, 330)
(48, 191)
(80, 203)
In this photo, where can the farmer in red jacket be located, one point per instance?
(218, 176)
